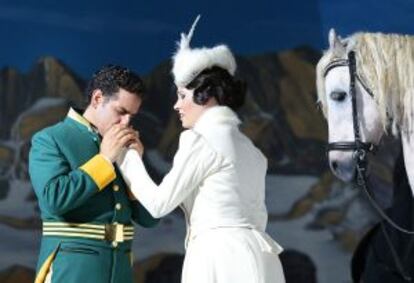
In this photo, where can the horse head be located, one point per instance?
(334, 81)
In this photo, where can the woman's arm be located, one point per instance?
(193, 162)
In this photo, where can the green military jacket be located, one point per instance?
(75, 184)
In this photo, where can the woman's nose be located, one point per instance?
(176, 106)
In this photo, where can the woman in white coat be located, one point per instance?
(217, 176)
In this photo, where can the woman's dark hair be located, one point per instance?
(110, 78)
(218, 83)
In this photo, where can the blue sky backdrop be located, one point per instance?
(141, 34)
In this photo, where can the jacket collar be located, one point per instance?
(216, 115)
(80, 120)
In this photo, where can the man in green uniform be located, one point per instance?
(84, 202)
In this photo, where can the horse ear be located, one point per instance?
(332, 38)
(335, 41)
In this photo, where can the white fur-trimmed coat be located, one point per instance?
(218, 178)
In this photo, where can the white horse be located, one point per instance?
(384, 95)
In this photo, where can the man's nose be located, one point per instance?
(125, 120)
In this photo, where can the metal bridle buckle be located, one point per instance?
(114, 232)
(360, 154)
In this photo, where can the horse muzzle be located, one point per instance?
(345, 156)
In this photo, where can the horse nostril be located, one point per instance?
(334, 165)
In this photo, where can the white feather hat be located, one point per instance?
(188, 63)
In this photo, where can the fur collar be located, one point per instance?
(216, 115)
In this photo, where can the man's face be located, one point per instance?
(117, 109)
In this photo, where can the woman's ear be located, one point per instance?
(202, 94)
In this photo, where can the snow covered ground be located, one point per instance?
(331, 262)
(18, 246)
(21, 246)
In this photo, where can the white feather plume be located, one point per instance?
(186, 38)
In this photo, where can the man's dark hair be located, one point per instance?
(110, 78)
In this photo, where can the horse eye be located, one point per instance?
(338, 95)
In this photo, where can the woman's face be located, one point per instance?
(188, 110)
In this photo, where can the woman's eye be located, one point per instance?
(338, 95)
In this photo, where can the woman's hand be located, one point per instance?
(115, 139)
(137, 145)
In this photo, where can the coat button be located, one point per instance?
(114, 244)
(118, 206)
(116, 188)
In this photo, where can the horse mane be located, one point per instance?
(385, 63)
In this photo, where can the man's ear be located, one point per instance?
(97, 98)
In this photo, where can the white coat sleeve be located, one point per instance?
(193, 162)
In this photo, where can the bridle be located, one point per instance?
(359, 147)
(360, 150)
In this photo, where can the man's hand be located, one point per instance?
(115, 139)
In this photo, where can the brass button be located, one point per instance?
(116, 188)
(118, 206)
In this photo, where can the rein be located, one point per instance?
(360, 150)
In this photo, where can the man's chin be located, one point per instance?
(105, 129)
(102, 132)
